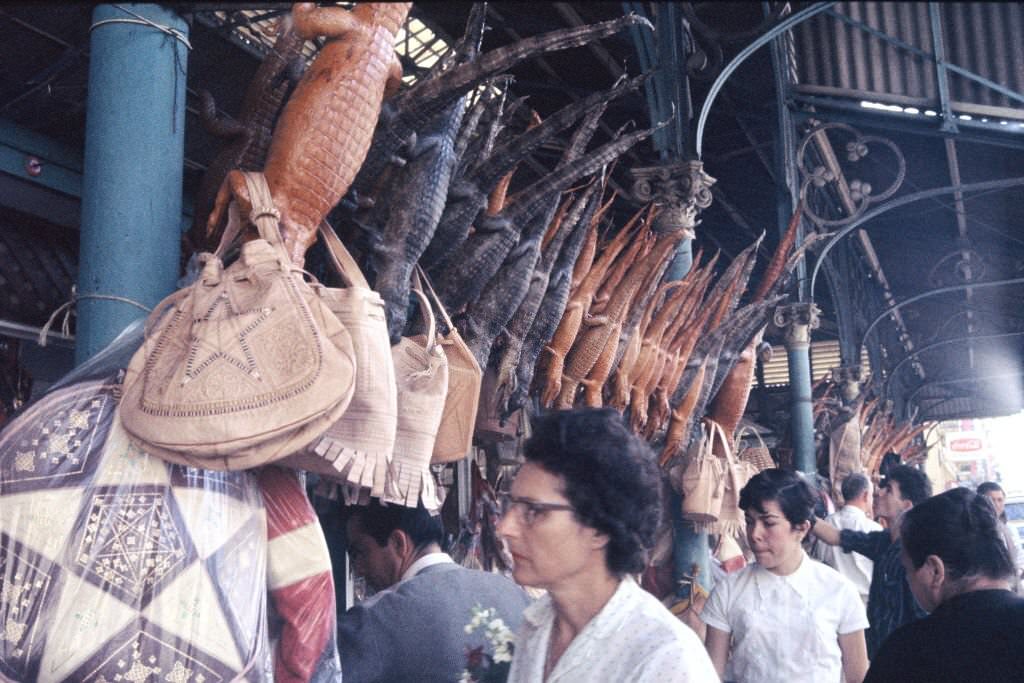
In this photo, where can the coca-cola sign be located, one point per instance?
(965, 444)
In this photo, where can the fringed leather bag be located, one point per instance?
(244, 366)
(737, 472)
(702, 479)
(421, 371)
(455, 435)
(357, 448)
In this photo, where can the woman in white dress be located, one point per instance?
(785, 618)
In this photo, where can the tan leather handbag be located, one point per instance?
(421, 371)
(702, 479)
(356, 449)
(244, 366)
(455, 435)
(737, 472)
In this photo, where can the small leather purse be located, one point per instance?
(356, 449)
(455, 435)
(702, 479)
(421, 373)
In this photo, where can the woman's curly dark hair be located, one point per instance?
(610, 478)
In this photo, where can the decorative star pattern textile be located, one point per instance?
(118, 567)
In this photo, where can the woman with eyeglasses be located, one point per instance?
(580, 517)
(785, 618)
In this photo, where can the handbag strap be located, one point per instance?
(716, 430)
(264, 215)
(346, 267)
(428, 316)
(757, 435)
(231, 231)
(422, 282)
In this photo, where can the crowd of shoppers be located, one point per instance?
(579, 521)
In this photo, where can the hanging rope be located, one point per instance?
(68, 306)
(143, 21)
(175, 34)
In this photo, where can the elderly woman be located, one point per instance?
(581, 514)
(788, 618)
(959, 569)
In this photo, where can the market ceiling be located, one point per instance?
(967, 341)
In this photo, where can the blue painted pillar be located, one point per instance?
(690, 550)
(681, 262)
(798, 320)
(691, 554)
(802, 418)
(134, 154)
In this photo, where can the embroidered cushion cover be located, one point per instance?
(117, 566)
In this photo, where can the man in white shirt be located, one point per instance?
(858, 494)
(414, 627)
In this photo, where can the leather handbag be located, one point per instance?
(421, 372)
(455, 435)
(244, 366)
(702, 479)
(737, 472)
(356, 449)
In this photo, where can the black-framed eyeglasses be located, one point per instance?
(529, 510)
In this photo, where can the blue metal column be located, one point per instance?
(134, 154)
(798, 320)
(802, 419)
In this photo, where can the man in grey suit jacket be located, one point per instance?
(414, 628)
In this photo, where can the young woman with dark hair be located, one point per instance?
(959, 570)
(786, 618)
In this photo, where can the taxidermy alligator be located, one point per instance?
(248, 136)
(593, 341)
(325, 130)
(412, 109)
(693, 354)
(730, 402)
(413, 214)
(552, 306)
(578, 307)
(648, 339)
(469, 197)
(694, 390)
(576, 224)
(669, 356)
(482, 254)
(487, 316)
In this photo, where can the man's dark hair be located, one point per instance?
(960, 527)
(914, 484)
(788, 489)
(987, 487)
(378, 521)
(854, 486)
(610, 478)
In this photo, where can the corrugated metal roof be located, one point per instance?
(824, 356)
(838, 57)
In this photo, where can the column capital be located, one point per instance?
(681, 188)
(850, 380)
(797, 320)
